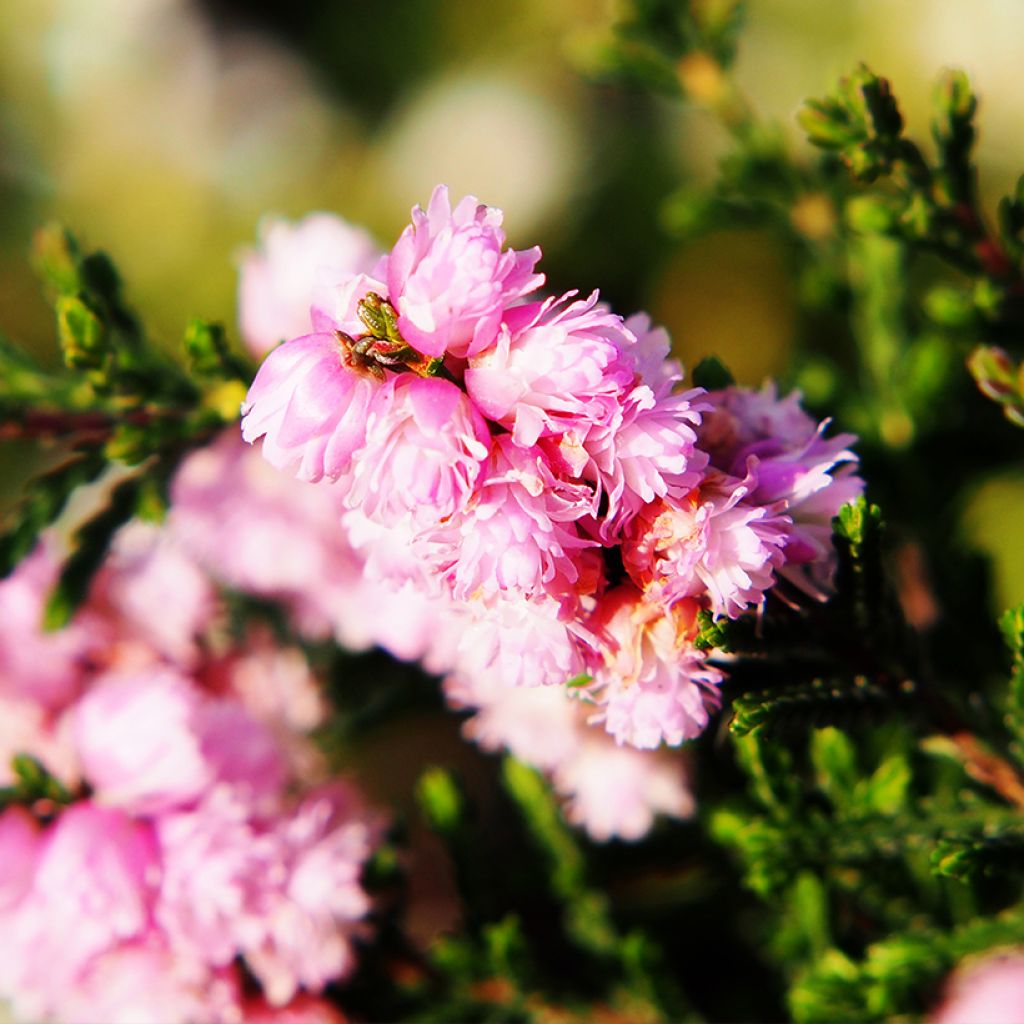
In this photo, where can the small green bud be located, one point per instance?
(440, 799)
(870, 215)
(950, 307)
(994, 373)
(82, 334)
(954, 99)
(56, 257)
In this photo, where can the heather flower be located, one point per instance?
(449, 276)
(609, 791)
(425, 447)
(310, 407)
(276, 282)
(644, 451)
(44, 668)
(92, 889)
(262, 532)
(711, 544)
(555, 367)
(990, 991)
(517, 537)
(650, 683)
(521, 642)
(795, 467)
(616, 792)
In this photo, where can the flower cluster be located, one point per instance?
(531, 470)
(194, 832)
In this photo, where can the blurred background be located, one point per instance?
(163, 130)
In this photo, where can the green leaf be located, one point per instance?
(46, 499)
(711, 373)
(440, 800)
(89, 548)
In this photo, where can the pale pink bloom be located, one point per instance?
(710, 545)
(537, 725)
(147, 570)
(276, 281)
(424, 451)
(644, 451)
(649, 354)
(610, 791)
(517, 536)
(216, 863)
(262, 532)
(138, 742)
(616, 792)
(302, 1009)
(282, 889)
(92, 889)
(450, 278)
(989, 991)
(310, 924)
(152, 741)
(337, 299)
(521, 642)
(26, 727)
(20, 839)
(554, 368)
(310, 407)
(649, 682)
(41, 667)
(146, 982)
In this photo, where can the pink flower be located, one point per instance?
(281, 889)
(794, 465)
(146, 982)
(990, 991)
(301, 1010)
(615, 792)
(651, 684)
(92, 889)
(310, 407)
(517, 536)
(47, 669)
(276, 281)
(643, 451)
(153, 741)
(450, 278)
(554, 368)
(520, 642)
(146, 569)
(709, 544)
(425, 446)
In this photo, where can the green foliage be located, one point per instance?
(33, 785)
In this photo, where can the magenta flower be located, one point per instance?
(709, 545)
(554, 368)
(276, 282)
(310, 407)
(450, 278)
(425, 447)
(517, 537)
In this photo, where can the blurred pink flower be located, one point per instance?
(276, 281)
(988, 991)
(450, 278)
(92, 889)
(310, 407)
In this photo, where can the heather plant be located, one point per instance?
(752, 732)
